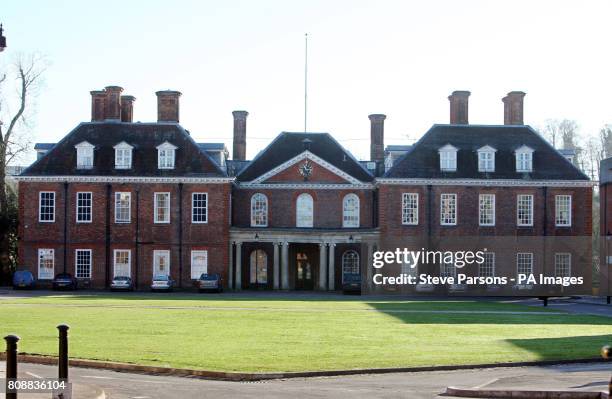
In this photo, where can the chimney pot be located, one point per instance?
(168, 106)
(459, 107)
(112, 103)
(239, 150)
(127, 108)
(377, 137)
(97, 105)
(513, 108)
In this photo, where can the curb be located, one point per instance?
(239, 376)
(511, 394)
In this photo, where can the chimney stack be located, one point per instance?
(112, 103)
(377, 137)
(513, 108)
(168, 106)
(239, 135)
(127, 108)
(459, 107)
(97, 105)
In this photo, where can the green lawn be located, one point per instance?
(241, 333)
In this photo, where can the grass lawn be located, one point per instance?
(267, 333)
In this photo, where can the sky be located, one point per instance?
(399, 58)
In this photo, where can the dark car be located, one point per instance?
(122, 283)
(23, 279)
(351, 283)
(210, 282)
(65, 281)
(162, 283)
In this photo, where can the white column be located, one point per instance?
(230, 269)
(322, 267)
(238, 266)
(331, 265)
(285, 266)
(276, 268)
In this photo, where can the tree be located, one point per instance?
(26, 75)
(605, 138)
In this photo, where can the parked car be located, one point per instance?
(65, 281)
(122, 283)
(23, 279)
(351, 283)
(210, 282)
(162, 283)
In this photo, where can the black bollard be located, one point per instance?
(63, 351)
(606, 353)
(545, 301)
(11, 362)
(608, 299)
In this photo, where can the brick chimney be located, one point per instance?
(240, 118)
(168, 106)
(513, 108)
(377, 137)
(112, 103)
(97, 105)
(127, 108)
(459, 107)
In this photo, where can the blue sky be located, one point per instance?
(401, 58)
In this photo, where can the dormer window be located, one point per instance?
(524, 159)
(85, 155)
(486, 159)
(165, 155)
(448, 158)
(123, 155)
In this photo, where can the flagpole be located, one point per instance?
(305, 82)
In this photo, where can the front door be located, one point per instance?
(304, 272)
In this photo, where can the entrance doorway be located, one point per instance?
(306, 262)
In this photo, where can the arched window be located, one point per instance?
(259, 267)
(303, 211)
(350, 211)
(350, 264)
(259, 210)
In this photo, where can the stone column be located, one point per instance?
(238, 265)
(276, 268)
(331, 268)
(230, 269)
(285, 266)
(322, 267)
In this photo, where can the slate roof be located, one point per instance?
(423, 161)
(212, 146)
(43, 146)
(287, 145)
(397, 147)
(190, 160)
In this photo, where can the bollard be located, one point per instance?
(606, 353)
(11, 362)
(63, 351)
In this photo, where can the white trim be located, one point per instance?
(129, 251)
(531, 210)
(123, 179)
(456, 217)
(479, 210)
(195, 252)
(569, 264)
(123, 146)
(346, 198)
(253, 198)
(53, 263)
(160, 252)
(155, 208)
(305, 186)
(129, 194)
(40, 206)
(192, 208)
(485, 182)
(416, 222)
(569, 210)
(305, 155)
(76, 265)
(76, 206)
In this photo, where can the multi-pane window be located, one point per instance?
(524, 210)
(486, 159)
(259, 210)
(83, 207)
(448, 158)
(410, 208)
(524, 263)
(524, 159)
(122, 263)
(258, 273)
(199, 264)
(350, 211)
(162, 207)
(563, 210)
(448, 269)
(563, 265)
(410, 268)
(161, 263)
(304, 210)
(199, 207)
(46, 206)
(83, 263)
(487, 268)
(448, 209)
(46, 263)
(123, 156)
(486, 209)
(85, 155)
(350, 263)
(166, 155)
(123, 207)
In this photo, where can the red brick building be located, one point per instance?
(117, 197)
(605, 201)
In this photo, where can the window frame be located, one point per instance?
(355, 219)
(483, 265)
(193, 208)
(261, 211)
(486, 151)
(455, 209)
(129, 261)
(518, 210)
(524, 159)
(78, 207)
(118, 208)
(126, 149)
(569, 263)
(84, 150)
(297, 211)
(405, 209)
(194, 254)
(355, 265)
(169, 155)
(52, 254)
(480, 209)
(518, 264)
(569, 210)
(40, 206)
(156, 208)
(156, 254)
(448, 158)
(78, 275)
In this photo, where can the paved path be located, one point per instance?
(587, 305)
(399, 385)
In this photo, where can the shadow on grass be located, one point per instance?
(565, 347)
